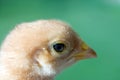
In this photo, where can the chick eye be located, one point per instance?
(59, 47)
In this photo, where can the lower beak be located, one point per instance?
(85, 53)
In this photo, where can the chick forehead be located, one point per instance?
(48, 29)
(45, 27)
(39, 32)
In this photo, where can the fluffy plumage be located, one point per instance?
(40, 50)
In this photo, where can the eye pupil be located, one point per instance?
(59, 47)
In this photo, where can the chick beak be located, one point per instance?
(86, 52)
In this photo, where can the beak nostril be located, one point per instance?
(84, 46)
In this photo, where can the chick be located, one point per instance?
(40, 50)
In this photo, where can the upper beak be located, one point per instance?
(86, 52)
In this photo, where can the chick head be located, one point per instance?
(45, 46)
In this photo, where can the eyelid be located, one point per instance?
(57, 54)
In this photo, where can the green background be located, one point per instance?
(96, 21)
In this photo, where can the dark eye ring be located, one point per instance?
(59, 47)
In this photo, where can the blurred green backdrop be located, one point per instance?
(96, 21)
